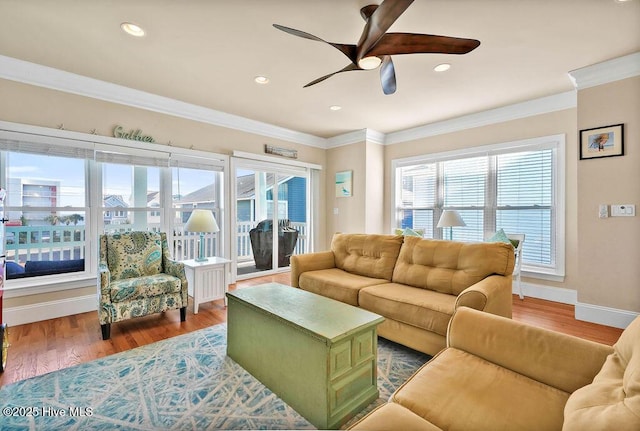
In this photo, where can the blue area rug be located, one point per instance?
(182, 383)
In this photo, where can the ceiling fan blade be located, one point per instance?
(367, 11)
(388, 75)
(347, 68)
(411, 43)
(348, 50)
(378, 23)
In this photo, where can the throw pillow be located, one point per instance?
(410, 232)
(500, 236)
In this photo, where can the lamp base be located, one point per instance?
(201, 257)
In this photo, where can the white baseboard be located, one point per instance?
(604, 315)
(555, 294)
(22, 314)
(613, 317)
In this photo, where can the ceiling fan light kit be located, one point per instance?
(376, 46)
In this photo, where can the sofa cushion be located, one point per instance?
(134, 254)
(612, 401)
(392, 416)
(450, 266)
(460, 391)
(336, 284)
(143, 287)
(422, 308)
(369, 255)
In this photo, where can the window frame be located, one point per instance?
(555, 142)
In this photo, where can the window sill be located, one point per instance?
(543, 276)
(47, 284)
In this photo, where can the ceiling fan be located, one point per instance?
(376, 46)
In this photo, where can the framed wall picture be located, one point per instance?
(344, 184)
(599, 142)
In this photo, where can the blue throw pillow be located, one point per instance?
(500, 236)
(410, 232)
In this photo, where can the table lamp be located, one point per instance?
(450, 218)
(201, 221)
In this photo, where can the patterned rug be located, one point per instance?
(182, 383)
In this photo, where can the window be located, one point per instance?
(198, 186)
(46, 208)
(515, 186)
(62, 193)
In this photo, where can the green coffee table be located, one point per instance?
(318, 355)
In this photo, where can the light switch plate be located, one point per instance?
(623, 210)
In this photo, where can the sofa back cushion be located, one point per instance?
(450, 266)
(134, 254)
(369, 255)
(612, 401)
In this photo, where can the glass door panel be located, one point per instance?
(254, 221)
(271, 219)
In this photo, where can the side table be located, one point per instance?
(207, 280)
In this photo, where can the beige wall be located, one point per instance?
(374, 207)
(350, 217)
(609, 249)
(362, 212)
(560, 122)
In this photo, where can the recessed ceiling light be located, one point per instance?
(442, 67)
(132, 29)
(335, 107)
(261, 79)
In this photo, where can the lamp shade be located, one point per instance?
(450, 218)
(201, 221)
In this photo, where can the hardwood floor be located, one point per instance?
(40, 347)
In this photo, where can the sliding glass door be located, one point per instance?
(271, 216)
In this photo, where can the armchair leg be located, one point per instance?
(183, 314)
(106, 331)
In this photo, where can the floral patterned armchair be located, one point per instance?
(137, 278)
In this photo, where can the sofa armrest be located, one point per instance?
(310, 262)
(491, 294)
(559, 360)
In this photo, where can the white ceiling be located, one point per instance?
(207, 52)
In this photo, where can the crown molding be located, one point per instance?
(543, 105)
(606, 72)
(362, 135)
(43, 76)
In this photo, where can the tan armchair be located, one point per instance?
(137, 278)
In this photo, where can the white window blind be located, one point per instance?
(525, 202)
(417, 194)
(463, 187)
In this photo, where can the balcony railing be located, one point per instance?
(40, 243)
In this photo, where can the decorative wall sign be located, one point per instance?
(133, 135)
(278, 151)
(607, 141)
(344, 184)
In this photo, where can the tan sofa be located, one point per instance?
(499, 374)
(416, 284)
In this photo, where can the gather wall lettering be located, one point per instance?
(133, 135)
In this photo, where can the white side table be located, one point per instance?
(208, 280)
